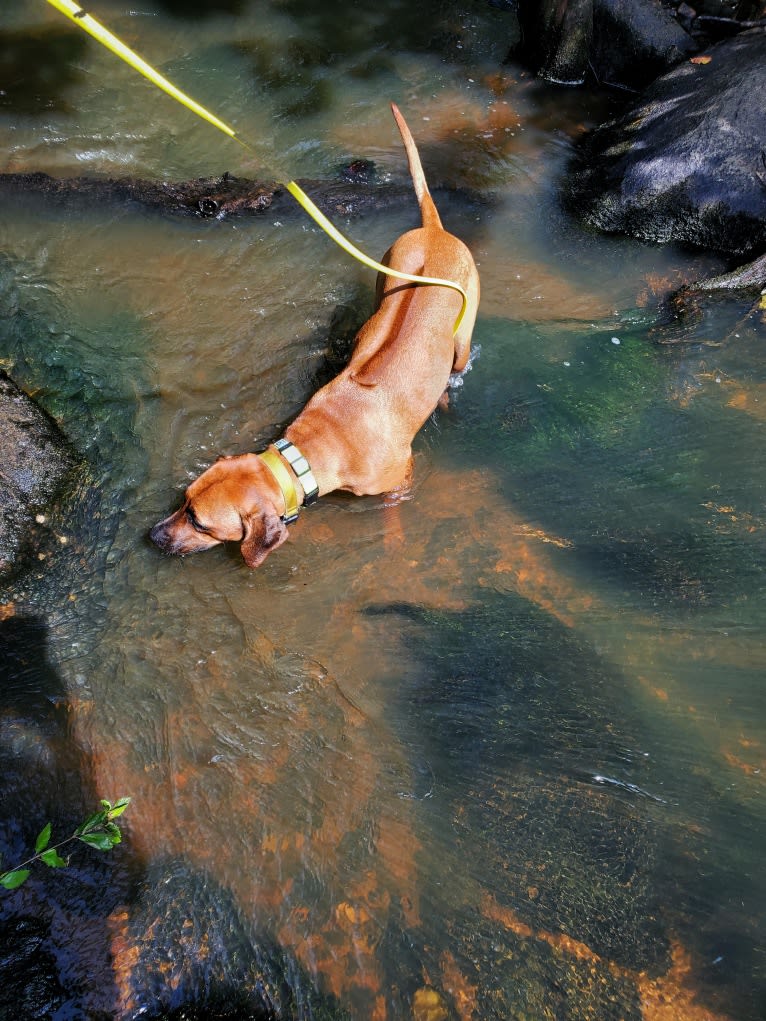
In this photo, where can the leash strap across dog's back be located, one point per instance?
(332, 231)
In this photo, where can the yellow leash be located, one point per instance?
(89, 24)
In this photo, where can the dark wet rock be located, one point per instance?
(30, 986)
(719, 20)
(683, 314)
(35, 459)
(634, 41)
(361, 171)
(204, 197)
(622, 42)
(216, 197)
(727, 8)
(687, 162)
(688, 306)
(748, 279)
(556, 38)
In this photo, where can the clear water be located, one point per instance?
(497, 753)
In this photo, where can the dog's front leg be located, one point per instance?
(393, 537)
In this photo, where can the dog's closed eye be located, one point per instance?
(195, 522)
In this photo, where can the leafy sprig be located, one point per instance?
(99, 831)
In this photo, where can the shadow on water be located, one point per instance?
(54, 928)
(600, 896)
(37, 69)
(110, 935)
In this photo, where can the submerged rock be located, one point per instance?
(35, 458)
(686, 307)
(217, 197)
(686, 163)
(182, 952)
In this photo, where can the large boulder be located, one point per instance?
(634, 41)
(687, 162)
(35, 458)
(556, 38)
(622, 42)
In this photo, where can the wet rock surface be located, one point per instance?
(30, 985)
(626, 43)
(353, 194)
(636, 40)
(686, 162)
(35, 460)
(210, 964)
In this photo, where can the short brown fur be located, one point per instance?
(357, 431)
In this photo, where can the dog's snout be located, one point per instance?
(159, 535)
(174, 535)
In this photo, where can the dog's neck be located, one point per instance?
(311, 438)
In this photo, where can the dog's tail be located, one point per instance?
(427, 208)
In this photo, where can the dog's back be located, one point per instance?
(403, 355)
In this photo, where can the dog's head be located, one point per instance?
(235, 500)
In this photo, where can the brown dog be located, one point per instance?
(356, 432)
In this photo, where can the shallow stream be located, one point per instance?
(497, 753)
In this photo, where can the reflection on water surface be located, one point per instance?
(493, 753)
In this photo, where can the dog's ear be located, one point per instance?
(264, 531)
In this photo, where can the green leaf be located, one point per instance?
(101, 841)
(118, 808)
(53, 859)
(43, 839)
(97, 819)
(113, 832)
(10, 880)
